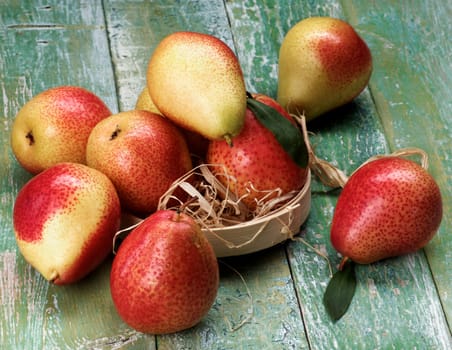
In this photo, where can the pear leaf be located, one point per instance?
(286, 133)
(340, 290)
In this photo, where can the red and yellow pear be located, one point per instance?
(144, 102)
(164, 277)
(54, 126)
(197, 144)
(257, 162)
(388, 207)
(323, 64)
(64, 221)
(142, 153)
(195, 80)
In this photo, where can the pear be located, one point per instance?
(64, 220)
(323, 64)
(165, 275)
(142, 153)
(145, 103)
(197, 144)
(53, 127)
(389, 207)
(258, 163)
(196, 80)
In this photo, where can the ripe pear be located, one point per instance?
(54, 126)
(323, 64)
(144, 102)
(142, 153)
(389, 207)
(165, 276)
(196, 80)
(64, 221)
(257, 162)
(197, 144)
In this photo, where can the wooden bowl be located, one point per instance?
(256, 234)
(263, 232)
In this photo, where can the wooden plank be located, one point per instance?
(396, 304)
(412, 95)
(135, 28)
(396, 301)
(133, 38)
(258, 29)
(264, 301)
(46, 45)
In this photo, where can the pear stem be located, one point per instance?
(404, 152)
(228, 140)
(344, 261)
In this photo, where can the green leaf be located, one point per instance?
(287, 134)
(340, 290)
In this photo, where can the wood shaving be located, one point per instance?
(214, 205)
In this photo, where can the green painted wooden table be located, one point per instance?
(400, 303)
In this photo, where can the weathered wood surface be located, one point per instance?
(104, 46)
(412, 94)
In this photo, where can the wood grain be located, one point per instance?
(43, 46)
(135, 28)
(412, 95)
(347, 137)
(272, 291)
(105, 46)
(265, 299)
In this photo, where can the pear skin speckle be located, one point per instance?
(165, 275)
(257, 159)
(389, 207)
